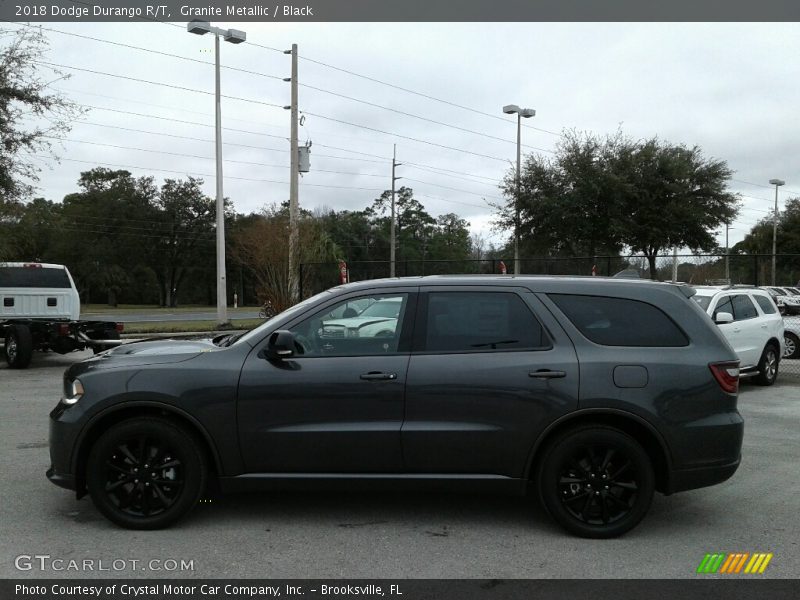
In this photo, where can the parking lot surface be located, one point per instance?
(328, 535)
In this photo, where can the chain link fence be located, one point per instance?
(695, 269)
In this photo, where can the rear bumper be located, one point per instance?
(690, 479)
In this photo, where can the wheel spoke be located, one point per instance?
(576, 497)
(142, 449)
(172, 463)
(607, 459)
(565, 479)
(628, 485)
(620, 471)
(128, 454)
(604, 506)
(112, 486)
(165, 502)
(586, 506)
(117, 468)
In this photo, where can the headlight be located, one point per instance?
(73, 392)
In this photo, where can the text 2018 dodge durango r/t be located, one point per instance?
(592, 393)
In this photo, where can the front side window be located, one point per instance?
(480, 322)
(723, 306)
(620, 321)
(363, 326)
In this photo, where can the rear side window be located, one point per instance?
(33, 277)
(620, 321)
(767, 306)
(480, 322)
(743, 308)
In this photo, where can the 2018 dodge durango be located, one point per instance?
(590, 393)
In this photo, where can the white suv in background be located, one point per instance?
(749, 320)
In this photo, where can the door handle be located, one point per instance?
(377, 376)
(546, 374)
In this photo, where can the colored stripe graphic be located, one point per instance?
(720, 562)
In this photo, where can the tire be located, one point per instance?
(792, 345)
(133, 496)
(768, 366)
(619, 466)
(110, 334)
(19, 346)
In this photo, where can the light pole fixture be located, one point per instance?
(234, 36)
(522, 113)
(777, 183)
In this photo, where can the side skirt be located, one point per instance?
(434, 482)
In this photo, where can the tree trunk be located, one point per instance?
(651, 259)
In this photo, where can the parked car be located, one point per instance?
(791, 338)
(752, 325)
(378, 319)
(790, 298)
(777, 298)
(591, 393)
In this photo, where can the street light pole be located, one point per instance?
(233, 36)
(521, 113)
(777, 183)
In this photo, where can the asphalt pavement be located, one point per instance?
(356, 535)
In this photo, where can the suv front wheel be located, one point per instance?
(596, 481)
(145, 473)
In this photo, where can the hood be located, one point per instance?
(155, 351)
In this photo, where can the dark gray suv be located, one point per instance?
(592, 393)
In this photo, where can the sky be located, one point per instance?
(731, 89)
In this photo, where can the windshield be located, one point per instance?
(256, 333)
(390, 310)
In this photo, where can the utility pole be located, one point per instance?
(777, 183)
(294, 184)
(727, 255)
(392, 238)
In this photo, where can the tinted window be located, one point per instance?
(619, 321)
(703, 301)
(724, 305)
(480, 321)
(767, 306)
(33, 277)
(743, 308)
(339, 331)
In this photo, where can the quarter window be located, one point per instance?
(482, 322)
(767, 306)
(620, 321)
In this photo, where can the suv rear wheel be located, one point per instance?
(768, 366)
(146, 473)
(596, 481)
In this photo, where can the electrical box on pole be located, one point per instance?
(304, 158)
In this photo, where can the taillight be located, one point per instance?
(119, 327)
(727, 375)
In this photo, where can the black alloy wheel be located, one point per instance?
(145, 473)
(596, 481)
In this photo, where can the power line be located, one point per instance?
(157, 83)
(421, 94)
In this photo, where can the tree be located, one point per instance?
(186, 218)
(568, 203)
(598, 196)
(31, 114)
(671, 196)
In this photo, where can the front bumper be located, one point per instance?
(61, 480)
(62, 436)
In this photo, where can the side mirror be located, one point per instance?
(280, 345)
(723, 317)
